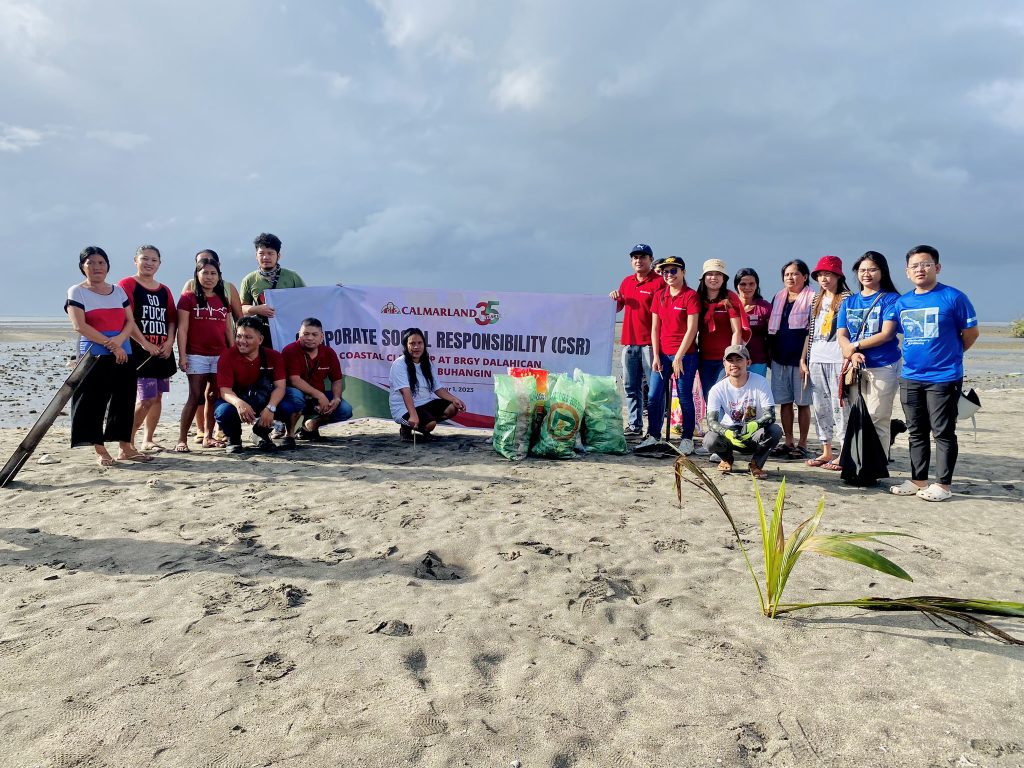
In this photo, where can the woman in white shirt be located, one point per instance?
(416, 401)
(822, 360)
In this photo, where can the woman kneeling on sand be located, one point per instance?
(416, 401)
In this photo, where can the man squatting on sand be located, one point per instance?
(741, 414)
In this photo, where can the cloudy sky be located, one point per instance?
(510, 146)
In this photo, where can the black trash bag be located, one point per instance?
(863, 459)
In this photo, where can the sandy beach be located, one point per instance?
(365, 602)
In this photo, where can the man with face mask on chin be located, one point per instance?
(269, 275)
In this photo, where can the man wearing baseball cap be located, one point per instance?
(741, 414)
(634, 295)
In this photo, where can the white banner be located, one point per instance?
(470, 337)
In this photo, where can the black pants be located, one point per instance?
(106, 394)
(760, 447)
(931, 408)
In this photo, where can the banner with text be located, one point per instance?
(470, 337)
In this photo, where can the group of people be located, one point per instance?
(132, 329)
(807, 341)
(235, 377)
(731, 339)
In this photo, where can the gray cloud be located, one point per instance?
(515, 147)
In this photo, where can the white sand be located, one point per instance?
(207, 610)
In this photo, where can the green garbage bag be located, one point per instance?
(514, 415)
(602, 418)
(563, 416)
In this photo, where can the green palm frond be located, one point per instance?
(781, 555)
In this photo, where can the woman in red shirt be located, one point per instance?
(748, 287)
(673, 330)
(721, 322)
(203, 334)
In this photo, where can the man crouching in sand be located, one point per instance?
(741, 414)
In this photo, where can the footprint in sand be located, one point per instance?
(272, 667)
(416, 662)
(104, 624)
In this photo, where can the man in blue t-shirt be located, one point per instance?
(938, 325)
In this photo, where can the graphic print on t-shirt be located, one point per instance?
(855, 318)
(152, 317)
(744, 410)
(919, 325)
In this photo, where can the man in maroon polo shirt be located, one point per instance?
(313, 368)
(634, 296)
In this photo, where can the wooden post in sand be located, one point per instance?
(45, 421)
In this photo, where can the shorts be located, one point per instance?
(201, 365)
(149, 388)
(788, 386)
(428, 412)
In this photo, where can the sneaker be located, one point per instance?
(289, 443)
(686, 446)
(266, 445)
(405, 433)
(632, 432)
(233, 448)
(714, 457)
(649, 444)
(700, 450)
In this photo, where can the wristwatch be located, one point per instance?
(856, 346)
(272, 408)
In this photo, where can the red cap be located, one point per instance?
(828, 264)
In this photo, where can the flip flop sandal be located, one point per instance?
(934, 492)
(821, 461)
(140, 457)
(152, 448)
(832, 467)
(724, 467)
(782, 451)
(108, 461)
(906, 488)
(213, 443)
(758, 473)
(799, 453)
(182, 448)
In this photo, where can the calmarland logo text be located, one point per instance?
(484, 313)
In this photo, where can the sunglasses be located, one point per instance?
(669, 270)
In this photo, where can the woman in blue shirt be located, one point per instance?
(867, 323)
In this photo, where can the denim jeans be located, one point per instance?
(710, 372)
(342, 413)
(636, 368)
(684, 390)
(227, 415)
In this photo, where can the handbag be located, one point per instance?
(849, 376)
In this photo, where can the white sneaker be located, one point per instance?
(714, 457)
(701, 451)
(686, 446)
